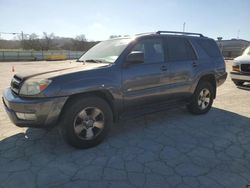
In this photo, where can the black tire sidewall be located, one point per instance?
(72, 109)
(193, 106)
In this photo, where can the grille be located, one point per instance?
(16, 84)
(245, 67)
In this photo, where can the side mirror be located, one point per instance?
(135, 57)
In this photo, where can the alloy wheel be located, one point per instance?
(204, 99)
(89, 123)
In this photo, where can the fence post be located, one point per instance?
(32, 56)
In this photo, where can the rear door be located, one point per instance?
(183, 64)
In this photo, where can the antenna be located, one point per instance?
(184, 25)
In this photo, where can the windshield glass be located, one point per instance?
(247, 51)
(106, 51)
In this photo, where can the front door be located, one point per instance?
(142, 82)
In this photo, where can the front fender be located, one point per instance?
(95, 85)
(88, 85)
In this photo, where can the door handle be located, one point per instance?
(194, 64)
(164, 68)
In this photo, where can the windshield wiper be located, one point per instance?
(94, 61)
(79, 60)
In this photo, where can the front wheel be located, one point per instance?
(86, 121)
(202, 99)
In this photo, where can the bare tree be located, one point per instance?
(79, 43)
(114, 36)
(34, 42)
(30, 42)
(81, 38)
(47, 42)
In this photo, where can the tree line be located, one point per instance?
(48, 42)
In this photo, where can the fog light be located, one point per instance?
(20, 115)
(26, 116)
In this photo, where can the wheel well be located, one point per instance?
(105, 95)
(211, 79)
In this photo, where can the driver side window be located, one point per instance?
(152, 50)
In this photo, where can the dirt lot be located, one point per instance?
(165, 149)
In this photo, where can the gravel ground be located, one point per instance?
(166, 149)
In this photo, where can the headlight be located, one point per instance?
(236, 68)
(34, 86)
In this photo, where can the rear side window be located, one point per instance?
(210, 47)
(179, 49)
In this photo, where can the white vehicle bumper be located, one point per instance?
(239, 76)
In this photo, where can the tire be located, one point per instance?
(201, 105)
(80, 118)
(238, 82)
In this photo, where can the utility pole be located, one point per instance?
(22, 42)
(22, 35)
(238, 34)
(184, 25)
(8, 33)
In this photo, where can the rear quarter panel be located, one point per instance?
(207, 65)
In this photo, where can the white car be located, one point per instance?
(241, 68)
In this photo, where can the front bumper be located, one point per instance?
(240, 76)
(46, 110)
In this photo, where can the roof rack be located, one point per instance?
(148, 33)
(181, 33)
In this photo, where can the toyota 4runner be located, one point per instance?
(121, 77)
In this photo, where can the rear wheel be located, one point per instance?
(202, 98)
(86, 121)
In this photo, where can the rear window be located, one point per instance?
(179, 49)
(210, 47)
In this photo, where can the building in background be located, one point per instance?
(232, 48)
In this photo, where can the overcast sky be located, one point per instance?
(98, 19)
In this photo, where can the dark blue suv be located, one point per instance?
(117, 78)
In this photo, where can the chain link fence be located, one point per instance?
(38, 55)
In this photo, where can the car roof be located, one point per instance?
(172, 33)
(164, 33)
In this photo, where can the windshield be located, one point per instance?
(247, 51)
(106, 51)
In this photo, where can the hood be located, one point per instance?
(57, 69)
(243, 59)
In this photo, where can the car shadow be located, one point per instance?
(245, 87)
(138, 139)
(48, 140)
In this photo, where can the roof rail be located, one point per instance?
(176, 32)
(138, 34)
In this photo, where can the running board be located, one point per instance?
(148, 109)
